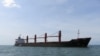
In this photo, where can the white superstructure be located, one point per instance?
(20, 40)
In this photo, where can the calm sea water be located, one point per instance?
(93, 50)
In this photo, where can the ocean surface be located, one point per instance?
(93, 50)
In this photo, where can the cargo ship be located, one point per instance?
(78, 42)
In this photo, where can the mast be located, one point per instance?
(27, 39)
(78, 33)
(59, 36)
(35, 38)
(45, 38)
(19, 36)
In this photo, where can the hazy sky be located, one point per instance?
(29, 17)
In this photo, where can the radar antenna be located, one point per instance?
(78, 33)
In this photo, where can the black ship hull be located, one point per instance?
(80, 42)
